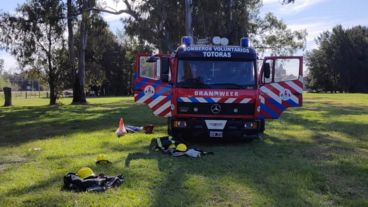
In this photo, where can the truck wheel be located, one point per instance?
(262, 125)
(169, 127)
(251, 138)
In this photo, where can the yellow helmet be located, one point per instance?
(102, 158)
(85, 172)
(181, 147)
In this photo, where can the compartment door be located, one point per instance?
(284, 86)
(149, 89)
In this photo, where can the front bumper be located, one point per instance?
(198, 128)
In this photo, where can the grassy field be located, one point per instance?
(316, 155)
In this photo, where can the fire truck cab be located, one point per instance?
(216, 90)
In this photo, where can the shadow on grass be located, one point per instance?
(33, 189)
(271, 172)
(282, 171)
(277, 171)
(332, 120)
(23, 124)
(328, 109)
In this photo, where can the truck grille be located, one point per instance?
(226, 108)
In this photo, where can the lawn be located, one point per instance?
(316, 155)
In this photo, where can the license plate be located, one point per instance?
(215, 134)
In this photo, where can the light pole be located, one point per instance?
(188, 17)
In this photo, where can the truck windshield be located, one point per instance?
(215, 74)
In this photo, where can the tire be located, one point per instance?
(262, 127)
(169, 127)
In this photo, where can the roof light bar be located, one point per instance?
(187, 40)
(244, 42)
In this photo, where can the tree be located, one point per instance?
(340, 62)
(35, 36)
(85, 7)
(272, 34)
(233, 19)
(1, 66)
(79, 95)
(71, 17)
(105, 60)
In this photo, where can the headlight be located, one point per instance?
(250, 125)
(180, 124)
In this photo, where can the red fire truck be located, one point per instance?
(216, 90)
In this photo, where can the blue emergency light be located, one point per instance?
(186, 40)
(244, 42)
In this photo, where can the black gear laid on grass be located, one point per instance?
(98, 183)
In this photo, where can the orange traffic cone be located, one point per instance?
(121, 130)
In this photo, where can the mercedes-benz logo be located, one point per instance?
(215, 108)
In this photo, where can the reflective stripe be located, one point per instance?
(159, 143)
(230, 100)
(192, 99)
(245, 100)
(162, 108)
(271, 94)
(294, 86)
(156, 101)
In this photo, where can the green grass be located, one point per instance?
(316, 155)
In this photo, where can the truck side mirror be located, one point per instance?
(165, 67)
(266, 70)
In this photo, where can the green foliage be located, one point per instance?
(160, 18)
(271, 33)
(340, 62)
(106, 62)
(232, 19)
(34, 35)
(313, 156)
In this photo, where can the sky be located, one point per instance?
(316, 16)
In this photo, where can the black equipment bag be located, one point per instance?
(98, 183)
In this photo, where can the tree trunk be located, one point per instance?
(73, 71)
(52, 93)
(82, 62)
(7, 94)
(80, 96)
(51, 71)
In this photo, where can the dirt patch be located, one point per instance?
(312, 109)
(12, 159)
(362, 152)
(326, 152)
(345, 186)
(8, 161)
(320, 153)
(325, 139)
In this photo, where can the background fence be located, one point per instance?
(27, 94)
